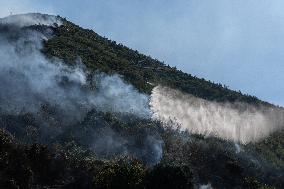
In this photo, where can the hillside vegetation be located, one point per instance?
(104, 149)
(99, 53)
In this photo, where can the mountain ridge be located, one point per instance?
(140, 70)
(109, 146)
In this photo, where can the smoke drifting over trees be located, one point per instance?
(33, 83)
(67, 123)
(29, 79)
(230, 121)
(23, 20)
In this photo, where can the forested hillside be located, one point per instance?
(78, 133)
(99, 53)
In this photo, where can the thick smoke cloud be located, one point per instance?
(114, 95)
(28, 79)
(23, 20)
(238, 122)
(61, 96)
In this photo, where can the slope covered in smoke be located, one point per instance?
(61, 95)
(74, 111)
(29, 79)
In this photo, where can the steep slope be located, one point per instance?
(69, 121)
(144, 72)
(100, 53)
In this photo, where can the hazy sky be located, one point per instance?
(239, 43)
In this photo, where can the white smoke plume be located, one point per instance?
(22, 20)
(114, 95)
(29, 79)
(237, 122)
(61, 96)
